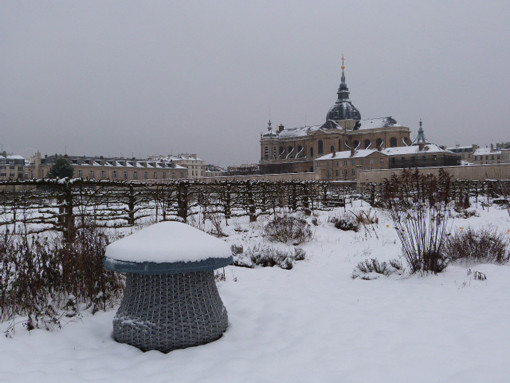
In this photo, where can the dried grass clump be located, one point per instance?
(287, 229)
(478, 246)
(419, 207)
(371, 269)
(268, 256)
(345, 221)
(45, 279)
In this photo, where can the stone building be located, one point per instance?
(466, 152)
(284, 150)
(421, 153)
(195, 165)
(114, 169)
(12, 167)
(488, 156)
(347, 165)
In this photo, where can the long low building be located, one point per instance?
(109, 168)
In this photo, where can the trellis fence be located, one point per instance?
(65, 205)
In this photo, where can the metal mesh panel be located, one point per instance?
(168, 312)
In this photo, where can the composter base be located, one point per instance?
(171, 311)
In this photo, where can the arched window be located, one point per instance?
(266, 152)
(332, 149)
(282, 151)
(311, 152)
(355, 144)
(393, 142)
(299, 151)
(339, 145)
(321, 147)
(379, 142)
(367, 143)
(289, 149)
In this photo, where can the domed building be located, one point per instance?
(284, 150)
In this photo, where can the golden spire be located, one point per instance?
(343, 65)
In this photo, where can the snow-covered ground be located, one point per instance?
(313, 323)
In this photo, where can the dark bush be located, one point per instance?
(287, 229)
(483, 246)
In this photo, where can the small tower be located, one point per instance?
(420, 140)
(343, 108)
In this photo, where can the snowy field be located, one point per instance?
(313, 323)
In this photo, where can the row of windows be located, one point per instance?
(355, 162)
(492, 157)
(91, 174)
(345, 173)
(411, 159)
(320, 149)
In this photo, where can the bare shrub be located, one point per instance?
(345, 221)
(287, 229)
(418, 206)
(423, 231)
(269, 256)
(478, 246)
(372, 269)
(366, 217)
(45, 279)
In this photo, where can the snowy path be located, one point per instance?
(311, 324)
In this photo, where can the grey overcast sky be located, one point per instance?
(136, 78)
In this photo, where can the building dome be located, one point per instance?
(343, 111)
(343, 108)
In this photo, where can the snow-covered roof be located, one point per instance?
(298, 132)
(178, 157)
(15, 157)
(485, 151)
(460, 148)
(330, 125)
(377, 123)
(360, 153)
(412, 149)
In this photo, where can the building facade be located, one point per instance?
(113, 169)
(196, 166)
(294, 150)
(348, 165)
(12, 167)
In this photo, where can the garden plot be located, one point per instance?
(312, 323)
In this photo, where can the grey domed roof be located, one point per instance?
(343, 108)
